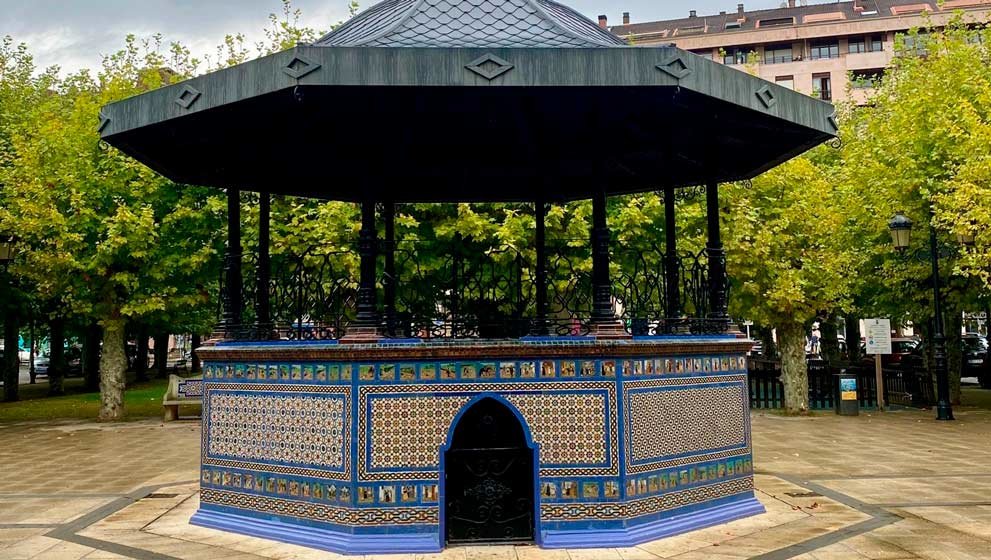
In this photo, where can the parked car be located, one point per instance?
(73, 361)
(900, 349)
(975, 358)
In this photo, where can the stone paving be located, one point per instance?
(891, 486)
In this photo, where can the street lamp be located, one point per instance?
(7, 250)
(901, 229)
(10, 380)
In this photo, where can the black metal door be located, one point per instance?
(489, 487)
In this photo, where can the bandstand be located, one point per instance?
(586, 408)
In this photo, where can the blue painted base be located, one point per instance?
(323, 539)
(652, 531)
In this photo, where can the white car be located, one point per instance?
(24, 355)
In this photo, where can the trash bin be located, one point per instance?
(847, 400)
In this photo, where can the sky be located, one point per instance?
(75, 34)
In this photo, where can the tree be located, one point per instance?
(922, 144)
(787, 255)
(110, 238)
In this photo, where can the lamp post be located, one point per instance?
(7, 251)
(11, 362)
(901, 230)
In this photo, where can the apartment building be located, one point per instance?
(812, 48)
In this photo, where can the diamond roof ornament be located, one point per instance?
(490, 66)
(300, 66)
(188, 96)
(767, 97)
(833, 122)
(104, 121)
(676, 67)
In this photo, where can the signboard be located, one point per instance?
(878, 336)
(848, 389)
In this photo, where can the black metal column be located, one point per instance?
(232, 294)
(390, 281)
(602, 309)
(672, 264)
(263, 275)
(368, 316)
(540, 273)
(718, 281)
(944, 411)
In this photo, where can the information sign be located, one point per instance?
(878, 336)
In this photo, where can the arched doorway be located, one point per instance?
(489, 487)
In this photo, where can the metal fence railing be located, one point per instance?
(908, 386)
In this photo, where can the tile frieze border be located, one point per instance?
(472, 352)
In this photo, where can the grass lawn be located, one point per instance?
(141, 400)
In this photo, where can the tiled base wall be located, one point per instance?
(355, 448)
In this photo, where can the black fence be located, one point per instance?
(459, 288)
(907, 386)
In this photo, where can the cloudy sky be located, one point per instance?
(75, 33)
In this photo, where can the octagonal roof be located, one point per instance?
(470, 24)
(467, 100)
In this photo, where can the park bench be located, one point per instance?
(181, 391)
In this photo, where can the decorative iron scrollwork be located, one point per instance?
(689, 193)
(478, 291)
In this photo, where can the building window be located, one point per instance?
(785, 81)
(872, 43)
(707, 54)
(915, 44)
(776, 22)
(866, 79)
(733, 25)
(693, 30)
(825, 49)
(778, 54)
(822, 86)
(737, 55)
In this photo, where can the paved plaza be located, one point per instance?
(890, 486)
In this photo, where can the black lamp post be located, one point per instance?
(9, 367)
(7, 251)
(901, 229)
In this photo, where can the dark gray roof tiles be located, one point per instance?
(470, 24)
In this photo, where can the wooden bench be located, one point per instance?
(181, 391)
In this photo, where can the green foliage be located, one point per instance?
(786, 245)
(923, 141)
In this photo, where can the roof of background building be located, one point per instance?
(811, 14)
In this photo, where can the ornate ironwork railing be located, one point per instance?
(460, 288)
(312, 295)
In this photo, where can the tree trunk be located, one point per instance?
(91, 357)
(794, 371)
(161, 355)
(195, 365)
(853, 339)
(830, 339)
(11, 362)
(33, 350)
(769, 349)
(141, 354)
(113, 366)
(954, 352)
(56, 356)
